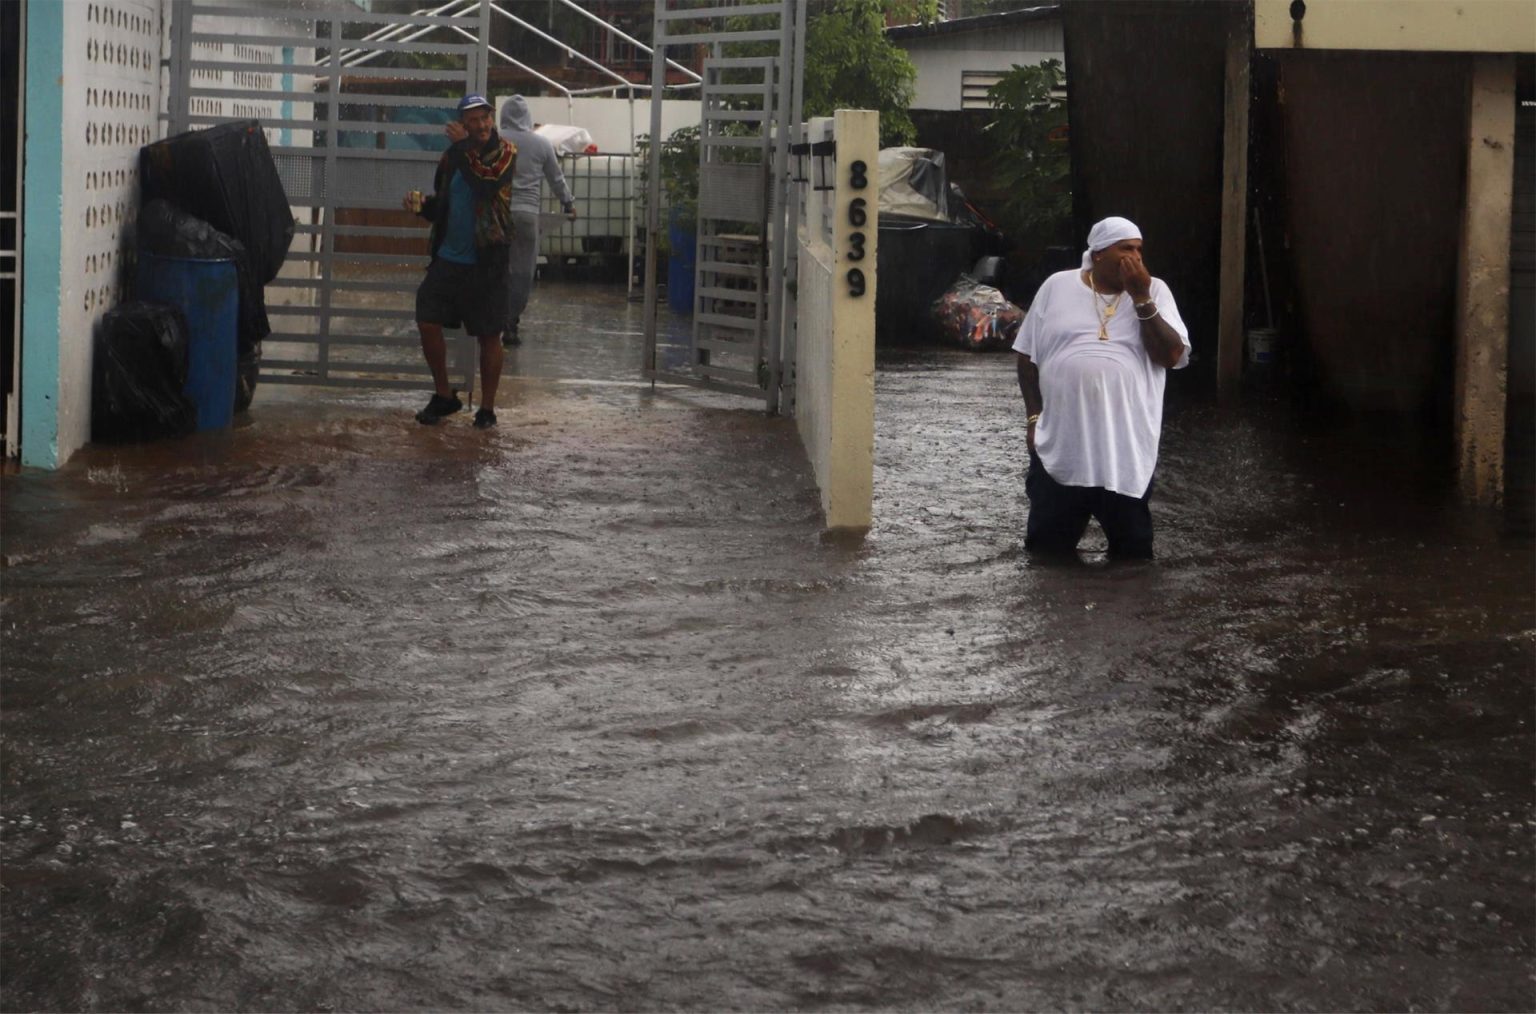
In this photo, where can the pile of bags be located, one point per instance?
(976, 317)
(206, 194)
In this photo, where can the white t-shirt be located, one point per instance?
(1103, 400)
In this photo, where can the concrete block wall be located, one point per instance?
(92, 95)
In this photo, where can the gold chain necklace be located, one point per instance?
(1109, 307)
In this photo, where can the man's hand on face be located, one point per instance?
(1135, 278)
(455, 131)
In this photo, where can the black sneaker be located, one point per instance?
(438, 409)
(485, 419)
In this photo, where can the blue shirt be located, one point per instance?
(459, 235)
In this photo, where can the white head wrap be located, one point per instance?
(1107, 233)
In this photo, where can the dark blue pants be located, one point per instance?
(1058, 516)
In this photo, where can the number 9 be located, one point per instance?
(855, 282)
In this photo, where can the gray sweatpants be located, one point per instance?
(523, 259)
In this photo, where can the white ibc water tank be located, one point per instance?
(604, 188)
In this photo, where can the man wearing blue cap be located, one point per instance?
(1094, 353)
(471, 215)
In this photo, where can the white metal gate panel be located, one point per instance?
(731, 283)
(750, 103)
(352, 128)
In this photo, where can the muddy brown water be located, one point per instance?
(336, 712)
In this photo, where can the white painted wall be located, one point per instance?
(939, 74)
(609, 120)
(835, 330)
(111, 54)
(1478, 26)
(942, 60)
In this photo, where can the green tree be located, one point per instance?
(1032, 161)
(851, 64)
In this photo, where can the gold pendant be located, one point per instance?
(1111, 311)
(1103, 334)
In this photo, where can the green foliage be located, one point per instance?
(679, 175)
(1029, 138)
(850, 64)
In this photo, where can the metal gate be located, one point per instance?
(353, 104)
(750, 105)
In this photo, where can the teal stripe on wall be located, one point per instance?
(43, 210)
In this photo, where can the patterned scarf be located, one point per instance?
(493, 215)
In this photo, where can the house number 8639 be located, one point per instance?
(857, 217)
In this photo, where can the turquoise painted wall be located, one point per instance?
(43, 210)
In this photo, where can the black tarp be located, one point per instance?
(225, 176)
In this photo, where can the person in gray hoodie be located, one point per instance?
(536, 161)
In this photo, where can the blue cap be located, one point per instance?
(473, 101)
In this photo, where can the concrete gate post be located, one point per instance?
(835, 311)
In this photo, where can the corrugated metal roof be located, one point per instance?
(981, 23)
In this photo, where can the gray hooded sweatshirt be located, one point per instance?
(536, 158)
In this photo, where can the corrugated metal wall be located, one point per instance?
(1146, 100)
(1520, 442)
(1373, 178)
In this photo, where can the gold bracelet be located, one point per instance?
(1033, 419)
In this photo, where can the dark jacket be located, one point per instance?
(489, 173)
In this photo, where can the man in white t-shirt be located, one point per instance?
(1093, 356)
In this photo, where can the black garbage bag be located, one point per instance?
(139, 372)
(169, 231)
(225, 175)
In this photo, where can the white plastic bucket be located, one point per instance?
(1263, 346)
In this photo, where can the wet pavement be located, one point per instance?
(337, 712)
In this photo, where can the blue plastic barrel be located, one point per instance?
(207, 292)
(683, 239)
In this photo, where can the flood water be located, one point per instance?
(338, 712)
